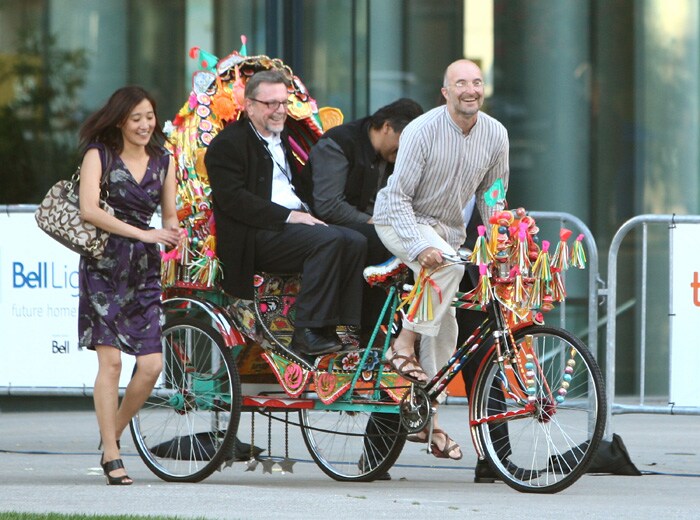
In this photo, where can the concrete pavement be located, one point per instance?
(49, 463)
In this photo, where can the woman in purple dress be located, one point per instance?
(119, 308)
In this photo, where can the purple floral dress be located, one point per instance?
(120, 293)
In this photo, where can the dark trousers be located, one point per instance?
(376, 251)
(467, 321)
(330, 260)
(373, 298)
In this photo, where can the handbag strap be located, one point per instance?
(104, 180)
(106, 165)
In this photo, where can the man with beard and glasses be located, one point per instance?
(263, 221)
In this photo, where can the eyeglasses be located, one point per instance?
(462, 84)
(274, 105)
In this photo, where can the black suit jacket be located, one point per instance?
(240, 175)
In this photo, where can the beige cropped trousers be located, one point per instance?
(438, 336)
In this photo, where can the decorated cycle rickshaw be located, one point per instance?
(536, 406)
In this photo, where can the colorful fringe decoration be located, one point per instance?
(168, 267)
(534, 300)
(520, 256)
(205, 269)
(558, 291)
(560, 259)
(483, 288)
(516, 270)
(481, 255)
(519, 293)
(578, 255)
(542, 270)
(420, 300)
(493, 241)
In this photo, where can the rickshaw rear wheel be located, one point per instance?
(186, 429)
(352, 445)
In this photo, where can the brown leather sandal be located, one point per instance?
(410, 374)
(450, 446)
(420, 437)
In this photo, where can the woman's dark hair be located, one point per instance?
(398, 114)
(103, 125)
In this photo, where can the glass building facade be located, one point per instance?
(600, 97)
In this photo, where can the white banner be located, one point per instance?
(39, 311)
(685, 383)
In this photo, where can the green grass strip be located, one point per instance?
(57, 516)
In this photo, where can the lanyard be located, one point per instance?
(284, 171)
(269, 153)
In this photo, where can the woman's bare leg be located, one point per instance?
(148, 369)
(106, 399)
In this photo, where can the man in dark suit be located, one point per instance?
(263, 222)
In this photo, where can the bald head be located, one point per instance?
(463, 90)
(456, 66)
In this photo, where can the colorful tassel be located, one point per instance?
(204, 271)
(420, 300)
(534, 300)
(481, 255)
(519, 255)
(519, 292)
(557, 288)
(578, 255)
(483, 288)
(493, 240)
(541, 270)
(412, 300)
(560, 259)
(168, 271)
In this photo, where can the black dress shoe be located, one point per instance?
(483, 474)
(384, 476)
(361, 465)
(330, 332)
(313, 342)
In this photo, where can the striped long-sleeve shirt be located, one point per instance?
(437, 170)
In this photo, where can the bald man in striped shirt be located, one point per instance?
(446, 156)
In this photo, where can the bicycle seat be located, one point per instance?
(387, 273)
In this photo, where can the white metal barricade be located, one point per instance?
(612, 311)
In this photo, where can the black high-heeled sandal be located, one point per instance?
(112, 465)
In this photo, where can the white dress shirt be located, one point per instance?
(282, 188)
